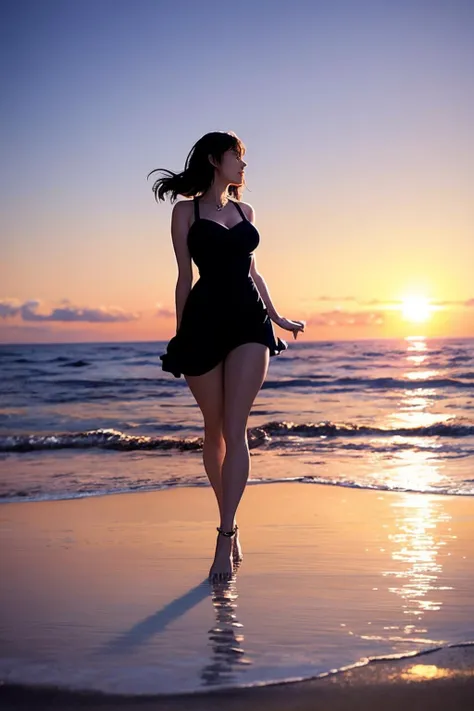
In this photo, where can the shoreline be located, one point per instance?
(445, 681)
(252, 482)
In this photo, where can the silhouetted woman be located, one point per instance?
(224, 335)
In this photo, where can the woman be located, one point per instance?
(224, 336)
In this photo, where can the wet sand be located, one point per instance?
(436, 681)
(107, 596)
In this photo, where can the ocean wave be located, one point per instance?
(362, 662)
(462, 488)
(257, 436)
(76, 364)
(456, 428)
(32, 684)
(320, 381)
(101, 438)
(106, 487)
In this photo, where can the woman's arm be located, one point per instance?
(294, 326)
(263, 291)
(179, 233)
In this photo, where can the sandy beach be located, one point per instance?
(109, 595)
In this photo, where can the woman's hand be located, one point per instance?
(288, 325)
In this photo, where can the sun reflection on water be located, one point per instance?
(414, 405)
(421, 374)
(415, 464)
(421, 530)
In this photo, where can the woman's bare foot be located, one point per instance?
(237, 555)
(222, 567)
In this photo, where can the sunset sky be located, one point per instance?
(357, 116)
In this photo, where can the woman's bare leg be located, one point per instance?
(245, 368)
(208, 391)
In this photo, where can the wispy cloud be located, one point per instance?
(376, 315)
(9, 307)
(66, 312)
(469, 303)
(338, 317)
(163, 312)
(335, 298)
(350, 299)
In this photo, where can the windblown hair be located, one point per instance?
(198, 173)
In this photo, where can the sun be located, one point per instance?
(416, 309)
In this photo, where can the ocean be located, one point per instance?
(112, 594)
(87, 419)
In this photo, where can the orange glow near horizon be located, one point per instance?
(412, 316)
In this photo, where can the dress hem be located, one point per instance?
(168, 366)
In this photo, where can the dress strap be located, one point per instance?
(196, 208)
(239, 209)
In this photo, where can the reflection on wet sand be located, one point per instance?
(422, 672)
(418, 541)
(227, 658)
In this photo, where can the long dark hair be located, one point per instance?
(198, 172)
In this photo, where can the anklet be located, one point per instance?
(227, 533)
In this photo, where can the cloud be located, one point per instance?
(336, 298)
(337, 317)
(9, 307)
(468, 302)
(378, 302)
(375, 317)
(353, 299)
(64, 313)
(163, 312)
(315, 299)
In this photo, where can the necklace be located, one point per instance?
(221, 205)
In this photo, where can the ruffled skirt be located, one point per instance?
(193, 353)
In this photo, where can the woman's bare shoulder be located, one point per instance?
(183, 207)
(248, 210)
(183, 213)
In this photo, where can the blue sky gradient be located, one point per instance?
(358, 121)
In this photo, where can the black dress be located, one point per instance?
(224, 308)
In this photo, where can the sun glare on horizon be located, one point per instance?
(416, 309)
